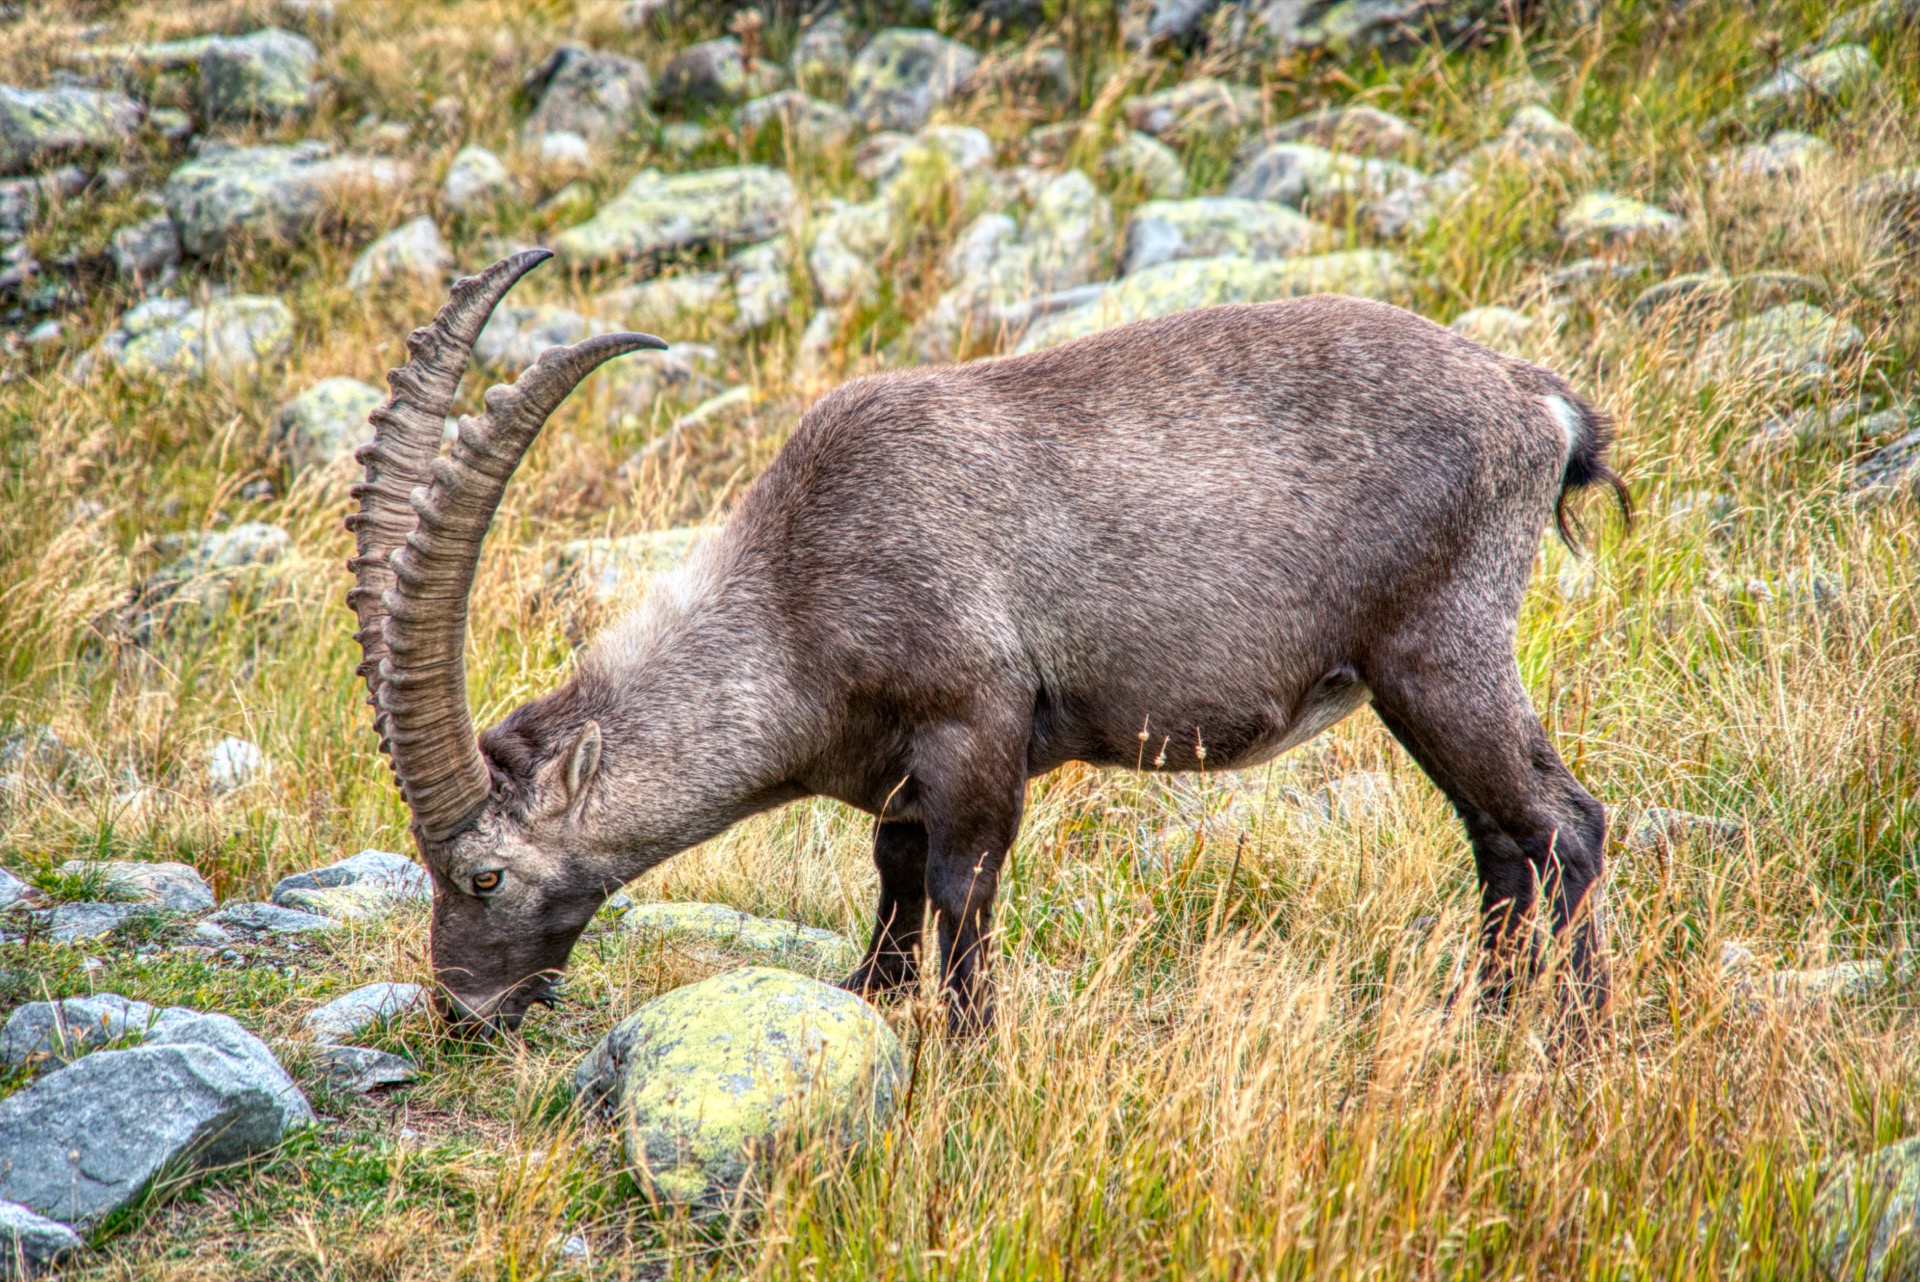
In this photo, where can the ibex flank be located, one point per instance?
(1230, 528)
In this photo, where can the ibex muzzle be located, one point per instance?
(1227, 528)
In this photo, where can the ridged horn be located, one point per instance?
(422, 689)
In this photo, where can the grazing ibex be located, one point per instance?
(1228, 529)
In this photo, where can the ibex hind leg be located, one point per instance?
(891, 967)
(1534, 829)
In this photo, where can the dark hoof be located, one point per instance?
(881, 985)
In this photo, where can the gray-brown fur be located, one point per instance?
(1228, 528)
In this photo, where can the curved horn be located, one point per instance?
(423, 682)
(407, 432)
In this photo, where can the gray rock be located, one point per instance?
(1358, 129)
(1163, 231)
(903, 74)
(272, 919)
(1881, 1188)
(1788, 153)
(762, 285)
(1501, 328)
(806, 122)
(1301, 174)
(565, 151)
(1659, 829)
(476, 181)
(361, 1069)
(1605, 217)
(713, 72)
(657, 214)
(234, 762)
(1024, 76)
(846, 248)
(821, 56)
(14, 892)
(172, 886)
(728, 930)
(1160, 23)
(937, 151)
(515, 336)
(32, 1245)
(209, 568)
(39, 125)
(231, 340)
(1892, 470)
(383, 870)
(659, 305)
(413, 252)
(1149, 162)
(265, 75)
(1687, 296)
(1201, 108)
(70, 923)
(1836, 73)
(324, 424)
(684, 137)
(233, 195)
(1349, 799)
(86, 1141)
(146, 251)
(45, 1035)
(704, 1079)
(614, 569)
(1791, 339)
(598, 95)
(360, 1009)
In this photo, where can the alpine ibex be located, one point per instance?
(1227, 528)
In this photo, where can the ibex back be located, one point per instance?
(1225, 530)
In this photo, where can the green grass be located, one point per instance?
(1222, 1053)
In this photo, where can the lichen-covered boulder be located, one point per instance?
(658, 213)
(272, 919)
(706, 1080)
(1605, 217)
(1300, 173)
(1195, 109)
(475, 181)
(324, 424)
(271, 193)
(1203, 282)
(846, 249)
(343, 1017)
(728, 930)
(1884, 1187)
(805, 122)
(146, 250)
(172, 886)
(1793, 338)
(1501, 328)
(1786, 154)
(1163, 231)
(266, 74)
(514, 337)
(762, 284)
(393, 873)
(589, 92)
(1358, 128)
(1836, 73)
(903, 74)
(713, 72)
(70, 923)
(821, 55)
(231, 339)
(37, 125)
(1149, 162)
(414, 251)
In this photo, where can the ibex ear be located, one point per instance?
(583, 763)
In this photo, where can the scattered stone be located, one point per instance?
(684, 137)
(30, 1244)
(597, 95)
(1359, 129)
(1501, 328)
(822, 57)
(1788, 153)
(414, 252)
(361, 1069)
(846, 250)
(515, 336)
(1201, 108)
(271, 193)
(209, 568)
(815, 347)
(47, 1035)
(936, 152)
(1883, 1186)
(47, 333)
(171, 123)
(762, 285)
(235, 762)
(903, 74)
(384, 870)
(1203, 282)
(1149, 162)
(272, 919)
(174, 887)
(38, 126)
(659, 303)
(476, 181)
(718, 927)
(564, 151)
(1659, 829)
(1688, 296)
(714, 72)
(70, 923)
(806, 122)
(615, 569)
(703, 1079)
(233, 340)
(1534, 136)
(1164, 231)
(1025, 75)
(266, 75)
(1793, 338)
(360, 1009)
(326, 423)
(146, 251)
(86, 1141)
(1302, 175)
(1830, 75)
(1891, 470)
(1605, 217)
(658, 214)
(1349, 799)
(1846, 981)
(15, 892)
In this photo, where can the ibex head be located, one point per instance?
(510, 891)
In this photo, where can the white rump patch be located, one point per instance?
(1568, 418)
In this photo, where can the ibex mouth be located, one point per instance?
(485, 1018)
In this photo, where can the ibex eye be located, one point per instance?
(486, 881)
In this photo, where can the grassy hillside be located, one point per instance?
(1222, 1049)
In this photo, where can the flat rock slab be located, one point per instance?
(175, 887)
(659, 213)
(86, 1141)
(32, 1244)
(49, 1034)
(71, 923)
(271, 193)
(361, 1069)
(903, 74)
(730, 930)
(344, 1016)
(705, 1078)
(37, 125)
(272, 919)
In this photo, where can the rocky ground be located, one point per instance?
(1223, 1048)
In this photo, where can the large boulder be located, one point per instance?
(821, 55)
(175, 887)
(30, 1244)
(233, 340)
(266, 74)
(1880, 1192)
(594, 94)
(714, 72)
(903, 74)
(846, 248)
(1163, 231)
(1145, 160)
(1301, 174)
(1605, 217)
(234, 194)
(413, 251)
(73, 922)
(706, 1080)
(719, 928)
(38, 125)
(659, 214)
(343, 1017)
(1203, 282)
(324, 424)
(1791, 339)
(475, 181)
(1201, 108)
(805, 122)
(87, 1141)
(370, 884)
(45, 1035)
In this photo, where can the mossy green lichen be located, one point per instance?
(658, 214)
